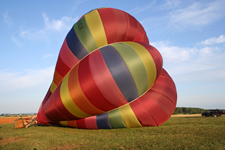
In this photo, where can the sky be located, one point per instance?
(189, 34)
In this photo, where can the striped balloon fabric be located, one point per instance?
(108, 76)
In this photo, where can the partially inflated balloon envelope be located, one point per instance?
(108, 76)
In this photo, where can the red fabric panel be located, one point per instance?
(162, 100)
(42, 119)
(109, 23)
(61, 107)
(139, 37)
(121, 24)
(48, 94)
(165, 85)
(67, 56)
(131, 28)
(41, 116)
(154, 109)
(145, 38)
(159, 100)
(143, 116)
(166, 81)
(61, 67)
(81, 123)
(51, 111)
(105, 81)
(156, 57)
(91, 122)
(89, 87)
(165, 77)
(166, 91)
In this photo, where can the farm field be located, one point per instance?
(177, 133)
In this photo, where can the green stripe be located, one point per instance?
(135, 65)
(84, 34)
(115, 119)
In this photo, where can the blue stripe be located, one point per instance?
(103, 121)
(75, 45)
(120, 72)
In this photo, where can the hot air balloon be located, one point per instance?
(108, 76)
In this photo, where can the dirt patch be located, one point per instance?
(10, 140)
(187, 115)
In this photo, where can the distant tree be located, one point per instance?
(188, 110)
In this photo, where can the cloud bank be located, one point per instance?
(202, 64)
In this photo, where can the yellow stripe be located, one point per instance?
(64, 123)
(53, 87)
(129, 117)
(67, 100)
(147, 60)
(95, 25)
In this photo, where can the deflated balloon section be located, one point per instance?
(108, 76)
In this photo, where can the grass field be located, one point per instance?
(176, 133)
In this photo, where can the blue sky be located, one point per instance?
(190, 35)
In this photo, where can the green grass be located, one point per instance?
(176, 133)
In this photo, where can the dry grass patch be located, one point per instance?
(187, 115)
(67, 147)
(4, 141)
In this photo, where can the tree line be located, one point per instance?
(188, 110)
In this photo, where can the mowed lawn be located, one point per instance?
(176, 133)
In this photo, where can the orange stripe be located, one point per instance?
(78, 96)
(57, 78)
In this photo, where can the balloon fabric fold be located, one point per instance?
(108, 76)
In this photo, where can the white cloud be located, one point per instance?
(33, 34)
(170, 4)
(214, 40)
(197, 14)
(196, 72)
(11, 81)
(173, 52)
(209, 101)
(184, 53)
(204, 64)
(143, 8)
(25, 89)
(50, 26)
(207, 51)
(57, 25)
(177, 15)
(47, 56)
(61, 26)
(7, 19)
(16, 41)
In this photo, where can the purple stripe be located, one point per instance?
(120, 72)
